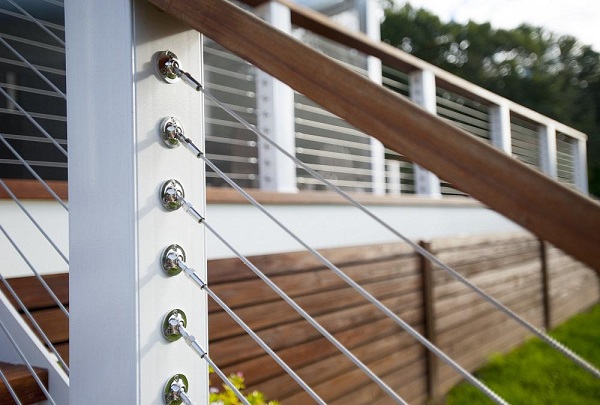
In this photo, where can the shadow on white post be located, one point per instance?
(118, 228)
(422, 92)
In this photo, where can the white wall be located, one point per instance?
(251, 232)
(53, 218)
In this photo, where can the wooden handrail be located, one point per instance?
(395, 58)
(550, 210)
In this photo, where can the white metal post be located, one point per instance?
(422, 92)
(579, 151)
(372, 15)
(275, 115)
(395, 181)
(118, 228)
(548, 150)
(500, 127)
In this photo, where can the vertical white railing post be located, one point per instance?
(372, 16)
(118, 228)
(500, 134)
(275, 115)
(548, 150)
(579, 150)
(422, 92)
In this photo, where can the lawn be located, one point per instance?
(535, 373)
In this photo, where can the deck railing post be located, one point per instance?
(422, 92)
(500, 134)
(578, 147)
(275, 115)
(370, 24)
(548, 150)
(118, 227)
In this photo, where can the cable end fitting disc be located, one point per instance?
(171, 195)
(170, 257)
(167, 65)
(171, 132)
(170, 324)
(173, 389)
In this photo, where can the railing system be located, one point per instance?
(124, 329)
(33, 145)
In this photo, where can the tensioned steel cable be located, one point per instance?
(35, 70)
(36, 22)
(357, 287)
(30, 317)
(191, 341)
(32, 219)
(191, 273)
(27, 363)
(422, 251)
(188, 207)
(34, 122)
(309, 318)
(33, 173)
(37, 274)
(10, 389)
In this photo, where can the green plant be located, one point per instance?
(226, 396)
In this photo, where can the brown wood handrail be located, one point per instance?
(395, 58)
(550, 210)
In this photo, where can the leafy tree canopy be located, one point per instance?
(552, 74)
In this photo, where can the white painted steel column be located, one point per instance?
(579, 148)
(500, 127)
(548, 150)
(422, 92)
(118, 228)
(275, 115)
(393, 169)
(372, 22)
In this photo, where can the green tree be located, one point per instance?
(552, 74)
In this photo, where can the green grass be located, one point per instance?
(535, 373)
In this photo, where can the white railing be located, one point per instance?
(118, 163)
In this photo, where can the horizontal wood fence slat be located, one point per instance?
(469, 329)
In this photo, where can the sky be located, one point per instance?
(578, 18)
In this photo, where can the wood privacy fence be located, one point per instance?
(536, 280)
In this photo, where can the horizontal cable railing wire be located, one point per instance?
(565, 164)
(425, 253)
(325, 142)
(35, 223)
(203, 286)
(27, 363)
(34, 173)
(27, 313)
(358, 288)
(525, 139)
(32, 68)
(233, 79)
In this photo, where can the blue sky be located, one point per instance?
(579, 18)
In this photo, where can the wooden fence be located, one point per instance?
(536, 280)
